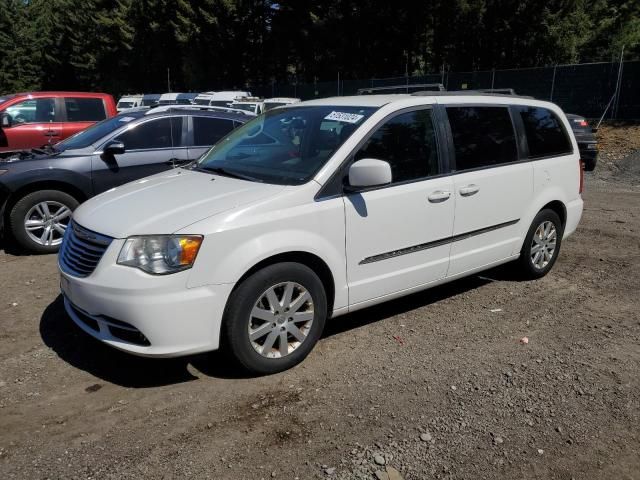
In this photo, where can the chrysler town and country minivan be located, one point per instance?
(317, 209)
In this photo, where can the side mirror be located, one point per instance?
(5, 120)
(369, 172)
(114, 148)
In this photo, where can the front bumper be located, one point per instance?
(162, 316)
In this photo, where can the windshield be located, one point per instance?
(220, 103)
(270, 105)
(249, 107)
(285, 146)
(94, 133)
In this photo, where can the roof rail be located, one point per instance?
(504, 91)
(461, 93)
(437, 87)
(165, 108)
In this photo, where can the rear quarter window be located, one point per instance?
(207, 131)
(546, 135)
(85, 109)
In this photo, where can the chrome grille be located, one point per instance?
(81, 250)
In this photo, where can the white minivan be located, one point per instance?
(315, 210)
(128, 101)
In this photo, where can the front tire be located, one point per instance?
(275, 317)
(541, 245)
(39, 219)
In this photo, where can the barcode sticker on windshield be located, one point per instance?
(344, 117)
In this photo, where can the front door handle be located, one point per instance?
(469, 190)
(439, 196)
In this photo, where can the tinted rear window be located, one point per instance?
(85, 109)
(482, 136)
(546, 135)
(207, 131)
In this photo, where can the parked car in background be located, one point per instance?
(39, 190)
(203, 98)
(225, 98)
(177, 98)
(33, 120)
(282, 225)
(186, 98)
(250, 104)
(129, 101)
(168, 99)
(270, 103)
(587, 141)
(150, 99)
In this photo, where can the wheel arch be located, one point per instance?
(61, 186)
(314, 262)
(558, 207)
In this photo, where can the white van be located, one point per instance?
(168, 99)
(203, 98)
(270, 103)
(129, 101)
(224, 99)
(249, 104)
(319, 209)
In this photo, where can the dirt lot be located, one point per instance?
(436, 385)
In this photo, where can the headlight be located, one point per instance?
(160, 254)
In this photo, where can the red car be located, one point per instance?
(33, 120)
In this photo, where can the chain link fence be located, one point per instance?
(586, 89)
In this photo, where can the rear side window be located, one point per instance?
(546, 135)
(84, 109)
(482, 136)
(408, 143)
(207, 131)
(153, 134)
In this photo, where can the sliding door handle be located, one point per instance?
(439, 196)
(469, 190)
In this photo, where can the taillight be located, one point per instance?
(581, 168)
(583, 123)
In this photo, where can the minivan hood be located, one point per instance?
(167, 202)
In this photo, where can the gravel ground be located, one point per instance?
(434, 385)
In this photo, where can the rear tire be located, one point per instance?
(38, 220)
(275, 317)
(541, 245)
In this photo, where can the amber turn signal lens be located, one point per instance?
(189, 250)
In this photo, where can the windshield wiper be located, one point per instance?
(229, 173)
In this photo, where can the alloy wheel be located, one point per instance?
(46, 222)
(543, 244)
(281, 320)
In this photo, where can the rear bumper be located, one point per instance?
(574, 214)
(589, 155)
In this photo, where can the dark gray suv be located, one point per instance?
(39, 189)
